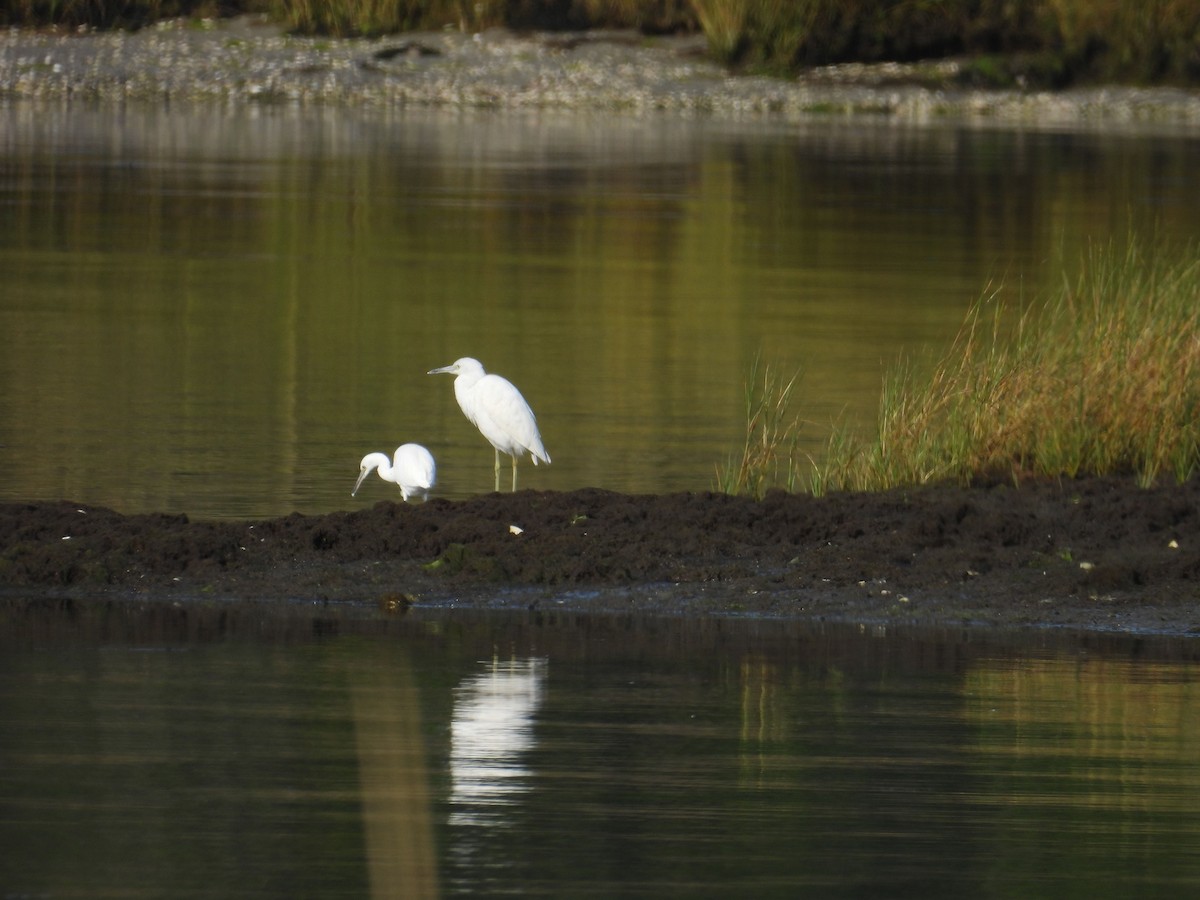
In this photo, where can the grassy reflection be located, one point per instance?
(1130, 730)
(394, 780)
(1068, 747)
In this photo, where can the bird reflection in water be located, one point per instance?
(490, 732)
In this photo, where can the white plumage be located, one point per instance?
(413, 469)
(495, 406)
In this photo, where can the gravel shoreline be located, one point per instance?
(248, 61)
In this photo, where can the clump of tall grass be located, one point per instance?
(786, 34)
(1062, 40)
(1152, 40)
(1104, 378)
(768, 456)
(769, 33)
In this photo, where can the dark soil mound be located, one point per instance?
(1091, 553)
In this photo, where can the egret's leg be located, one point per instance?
(514, 459)
(497, 471)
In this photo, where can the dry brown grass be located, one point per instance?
(1103, 379)
(768, 456)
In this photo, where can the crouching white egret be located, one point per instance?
(413, 469)
(495, 406)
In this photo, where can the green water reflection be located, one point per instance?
(232, 750)
(219, 312)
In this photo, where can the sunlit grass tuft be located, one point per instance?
(1104, 379)
(768, 456)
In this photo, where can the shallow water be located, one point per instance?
(234, 750)
(220, 311)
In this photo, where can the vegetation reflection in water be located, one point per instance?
(219, 312)
(153, 750)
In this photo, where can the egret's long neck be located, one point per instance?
(463, 384)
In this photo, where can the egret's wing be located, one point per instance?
(416, 466)
(428, 471)
(505, 419)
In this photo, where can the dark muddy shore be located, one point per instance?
(1091, 553)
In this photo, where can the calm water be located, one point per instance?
(220, 312)
(152, 751)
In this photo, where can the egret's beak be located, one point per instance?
(444, 370)
(361, 475)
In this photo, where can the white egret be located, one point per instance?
(413, 469)
(495, 406)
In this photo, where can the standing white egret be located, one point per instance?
(495, 406)
(414, 470)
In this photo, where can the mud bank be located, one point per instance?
(1092, 553)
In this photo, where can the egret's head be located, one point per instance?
(369, 463)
